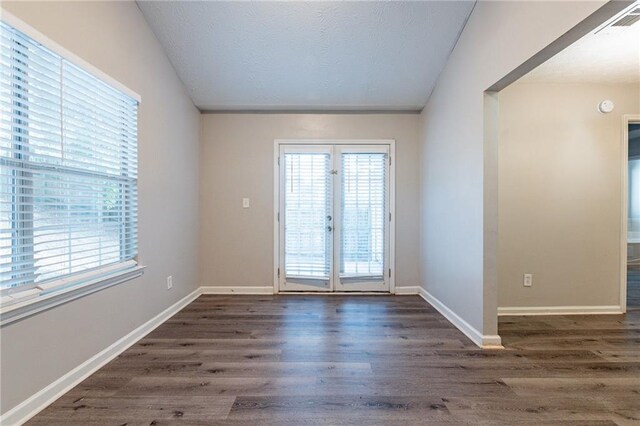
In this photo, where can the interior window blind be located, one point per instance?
(68, 167)
(363, 218)
(307, 209)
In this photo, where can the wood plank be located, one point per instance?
(336, 407)
(149, 409)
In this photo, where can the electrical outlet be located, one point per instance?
(528, 280)
(169, 282)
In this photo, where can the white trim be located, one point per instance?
(277, 143)
(561, 310)
(236, 290)
(482, 340)
(48, 297)
(392, 210)
(41, 399)
(336, 293)
(276, 217)
(39, 37)
(624, 166)
(406, 290)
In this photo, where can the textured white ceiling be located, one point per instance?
(308, 55)
(611, 55)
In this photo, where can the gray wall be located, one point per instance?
(237, 161)
(560, 193)
(114, 37)
(459, 187)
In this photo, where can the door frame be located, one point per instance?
(276, 201)
(624, 150)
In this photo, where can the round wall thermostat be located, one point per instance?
(606, 106)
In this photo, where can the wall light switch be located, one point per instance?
(528, 280)
(246, 203)
(169, 282)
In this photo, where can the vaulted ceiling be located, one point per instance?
(308, 55)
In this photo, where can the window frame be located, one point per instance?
(27, 300)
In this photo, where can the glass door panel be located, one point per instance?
(306, 204)
(363, 213)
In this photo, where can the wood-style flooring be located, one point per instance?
(633, 289)
(360, 360)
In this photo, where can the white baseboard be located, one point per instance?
(269, 290)
(40, 400)
(408, 290)
(482, 340)
(561, 310)
(237, 290)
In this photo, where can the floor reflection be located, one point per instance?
(633, 289)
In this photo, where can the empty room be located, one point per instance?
(320, 212)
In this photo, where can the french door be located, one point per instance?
(334, 218)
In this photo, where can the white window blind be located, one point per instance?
(363, 218)
(307, 209)
(68, 167)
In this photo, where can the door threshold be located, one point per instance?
(338, 293)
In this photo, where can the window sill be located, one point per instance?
(37, 300)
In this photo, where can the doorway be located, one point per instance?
(632, 240)
(334, 219)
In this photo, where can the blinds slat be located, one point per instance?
(75, 265)
(35, 158)
(38, 171)
(84, 102)
(72, 253)
(38, 156)
(128, 242)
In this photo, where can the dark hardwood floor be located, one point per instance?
(365, 360)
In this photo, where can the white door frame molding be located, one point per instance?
(624, 167)
(276, 197)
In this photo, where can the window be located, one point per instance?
(68, 171)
